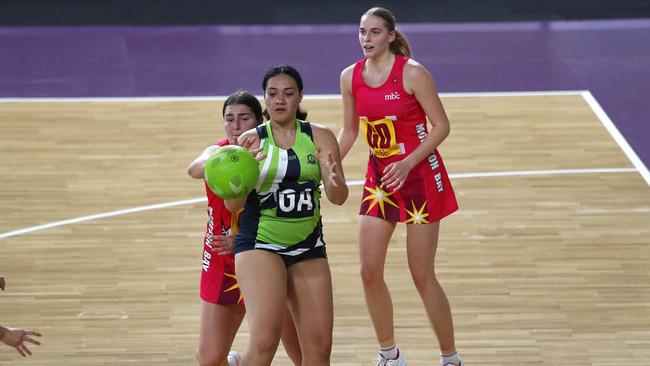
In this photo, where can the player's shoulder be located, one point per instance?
(321, 131)
(349, 68)
(413, 67)
(212, 148)
(347, 72)
(415, 72)
(318, 127)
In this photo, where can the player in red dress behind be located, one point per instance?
(222, 306)
(391, 96)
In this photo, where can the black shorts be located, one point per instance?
(311, 253)
(312, 247)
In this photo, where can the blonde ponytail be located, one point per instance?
(400, 46)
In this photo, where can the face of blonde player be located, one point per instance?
(374, 37)
(282, 98)
(237, 119)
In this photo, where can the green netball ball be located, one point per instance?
(231, 172)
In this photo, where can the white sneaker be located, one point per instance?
(399, 361)
(453, 364)
(234, 358)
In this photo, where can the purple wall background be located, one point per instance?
(610, 58)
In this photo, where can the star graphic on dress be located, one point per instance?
(234, 287)
(418, 216)
(380, 196)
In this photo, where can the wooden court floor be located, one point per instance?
(540, 269)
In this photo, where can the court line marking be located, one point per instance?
(616, 135)
(220, 98)
(157, 206)
(587, 96)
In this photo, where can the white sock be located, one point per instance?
(453, 358)
(389, 353)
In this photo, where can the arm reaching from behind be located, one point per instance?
(197, 167)
(350, 130)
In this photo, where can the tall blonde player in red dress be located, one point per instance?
(391, 96)
(222, 306)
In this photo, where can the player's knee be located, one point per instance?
(211, 357)
(422, 278)
(265, 345)
(370, 275)
(317, 351)
(320, 358)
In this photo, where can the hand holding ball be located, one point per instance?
(231, 171)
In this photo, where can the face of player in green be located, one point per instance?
(282, 98)
(374, 37)
(237, 119)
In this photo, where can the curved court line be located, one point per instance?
(100, 215)
(103, 215)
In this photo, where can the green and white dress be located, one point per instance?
(282, 214)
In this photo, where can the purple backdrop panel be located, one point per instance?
(609, 58)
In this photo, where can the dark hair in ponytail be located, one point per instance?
(287, 70)
(247, 99)
(400, 45)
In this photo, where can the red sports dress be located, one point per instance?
(393, 124)
(218, 282)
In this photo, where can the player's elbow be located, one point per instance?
(443, 130)
(195, 172)
(235, 204)
(339, 195)
(446, 130)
